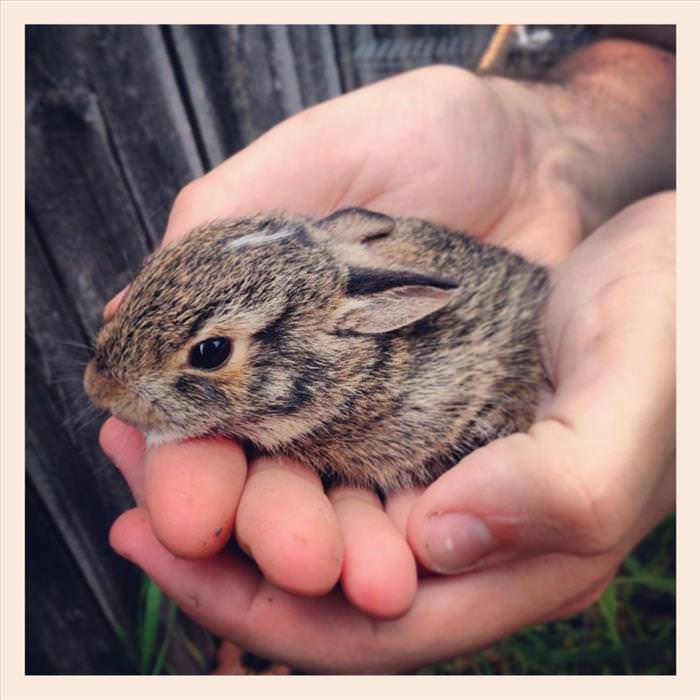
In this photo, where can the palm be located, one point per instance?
(451, 155)
(438, 144)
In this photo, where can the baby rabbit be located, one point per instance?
(377, 350)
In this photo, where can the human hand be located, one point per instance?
(417, 163)
(449, 132)
(574, 495)
(599, 458)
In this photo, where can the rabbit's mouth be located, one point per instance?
(104, 391)
(107, 392)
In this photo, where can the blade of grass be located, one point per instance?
(486, 668)
(657, 583)
(150, 625)
(633, 617)
(128, 662)
(160, 660)
(194, 651)
(597, 657)
(608, 607)
(633, 565)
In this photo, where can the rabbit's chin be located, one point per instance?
(156, 438)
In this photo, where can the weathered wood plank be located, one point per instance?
(108, 147)
(314, 61)
(235, 92)
(144, 117)
(346, 39)
(81, 500)
(241, 81)
(66, 628)
(392, 50)
(78, 200)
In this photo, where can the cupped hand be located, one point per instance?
(441, 144)
(437, 143)
(599, 459)
(563, 503)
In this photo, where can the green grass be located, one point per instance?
(156, 620)
(631, 629)
(155, 629)
(147, 655)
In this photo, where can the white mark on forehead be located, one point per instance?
(259, 238)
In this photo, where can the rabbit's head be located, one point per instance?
(256, 328)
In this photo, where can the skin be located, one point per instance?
(556, 508)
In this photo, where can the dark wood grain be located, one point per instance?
(108, 147)
(61, 601)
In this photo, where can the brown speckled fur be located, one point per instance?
(310, 376)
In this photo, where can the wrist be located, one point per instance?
(549, 164)
(600, 131)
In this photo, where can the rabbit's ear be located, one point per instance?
(379, 301)
(357, 225)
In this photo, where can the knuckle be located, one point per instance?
(590, 505)
(586, 600)
(591, 587)
(599, 520)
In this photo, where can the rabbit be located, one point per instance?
(377, 350)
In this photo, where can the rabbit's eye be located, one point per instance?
(210, 353)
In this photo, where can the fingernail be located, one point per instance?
(456, 541)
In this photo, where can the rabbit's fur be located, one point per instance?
(379, 351)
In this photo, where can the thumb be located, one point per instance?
(518, 495)
(580, 480)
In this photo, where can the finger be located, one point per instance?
(398, 507)
(125, 446)
(583, 475)
(227, 595)
(287, 524)
(192, 490)
(379, 571)
(475, 510)
(193, 584)
(520, 495)
(113, 304)
(399, 504)
(449, 616)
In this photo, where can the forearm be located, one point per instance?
(602, 124)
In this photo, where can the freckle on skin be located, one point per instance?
(218, 532)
